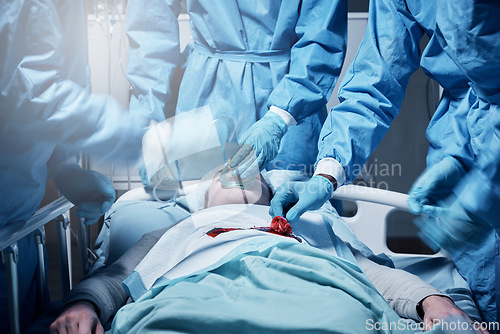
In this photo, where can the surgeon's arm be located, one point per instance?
(316, 59)
(372, 91)
(102, 294)
(46, 92)
(153, 35)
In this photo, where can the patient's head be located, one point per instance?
(257, 192)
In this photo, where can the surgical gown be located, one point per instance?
(371, 95)
(469, 32)
(44, 103)
(246, 57)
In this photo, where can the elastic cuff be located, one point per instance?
(289, 120)
(332, 167)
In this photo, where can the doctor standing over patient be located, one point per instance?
(370, 98)
(46, 116)
(268, 66)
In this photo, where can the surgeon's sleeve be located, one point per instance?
(153, 35)
(480, 191)
(60, 157)
(46, 93)
(469, 32)
(316, 59)
(372, 90)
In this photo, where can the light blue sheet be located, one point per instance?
(282, 288)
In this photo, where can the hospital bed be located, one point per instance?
(369, 223)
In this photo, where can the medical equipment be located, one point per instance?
(169, 152)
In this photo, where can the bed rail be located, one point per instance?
(57, 211)
(370, 221)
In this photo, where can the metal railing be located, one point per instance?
(57, 211)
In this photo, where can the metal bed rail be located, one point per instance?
(57, 211)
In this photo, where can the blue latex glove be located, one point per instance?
(450, 227)
(299, 197)
(261, 144)
(90, 191)
(434, 186)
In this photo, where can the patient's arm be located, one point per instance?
(102, 294)
(404, 292)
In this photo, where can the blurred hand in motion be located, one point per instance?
(442, 309)
(90, 191)
(295, 198)
(435, 185)
(80, 317)
(261, 143)
(450, 227)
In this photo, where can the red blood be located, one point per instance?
(218, 230)
(281, 226)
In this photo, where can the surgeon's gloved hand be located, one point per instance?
(295, 198)
(435, 185)
(450, 227)
(90, 191)
(261, 143)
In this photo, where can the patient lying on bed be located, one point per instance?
(248, 280)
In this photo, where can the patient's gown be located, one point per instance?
(251, 281)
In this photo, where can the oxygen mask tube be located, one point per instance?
(165, 165)
(231, 176)
(243, 174)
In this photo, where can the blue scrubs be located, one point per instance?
(247, 56)
(469, 32)
(374, 87)
(44, 104)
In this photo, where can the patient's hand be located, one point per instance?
(438, 308)
(80, 317)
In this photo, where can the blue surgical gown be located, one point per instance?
(44, 104)
(372, 92)
(469, 32)
(246, 57)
